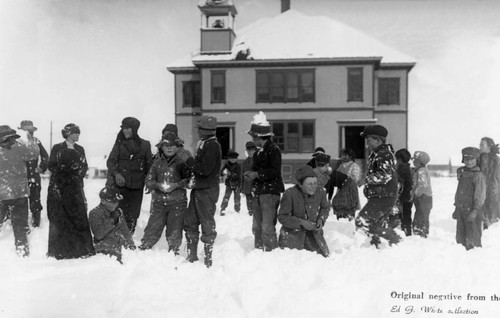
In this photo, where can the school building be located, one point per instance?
(319, 82)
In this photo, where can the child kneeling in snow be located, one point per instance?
(302, 213)
(469, 199)
(108, 225)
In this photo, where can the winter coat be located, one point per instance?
(34, 176)
(294, 206)
(421, 183)
(267, 163)
(69, 231)
(352, 170)
(206, 163)
(234, 176)
(132, 158)
(405, 181)
(489, 164)
(381, 180)
(471, 190)
(110, 230)
(13, 171)
(167, 171)
(247, 184)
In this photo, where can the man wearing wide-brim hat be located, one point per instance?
(14, 190)
(267, 183)
(203, 198)
(34, 170)
(381, 188)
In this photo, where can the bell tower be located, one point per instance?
(217, 26)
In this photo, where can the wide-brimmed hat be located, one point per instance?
(375, 130)
(27, 125)
(207, 123)
(260, 127)
(7, 132)
(110, 194)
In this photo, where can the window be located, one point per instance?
(355, 84)
(294, 136)
(191, 94)
(388, 91)
(218, 89)
(283, 86)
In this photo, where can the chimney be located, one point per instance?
(285, 5)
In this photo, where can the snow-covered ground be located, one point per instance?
(356, 281)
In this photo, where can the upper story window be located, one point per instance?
(355, 84)
(294, 136)
(191, 94)
(284, 86)
(388, 91)
(218, 87)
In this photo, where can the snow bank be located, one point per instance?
(356, 281)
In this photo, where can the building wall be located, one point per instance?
(179, 79)
(330, 85)
(403, 90)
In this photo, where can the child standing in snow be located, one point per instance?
(232, 172)
(405, 181)
(469, 199)
(421, 193)
(247, 184)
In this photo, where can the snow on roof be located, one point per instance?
(293, 35)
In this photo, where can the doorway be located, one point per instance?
(354, 140)
(225, 138)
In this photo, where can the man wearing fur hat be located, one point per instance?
(202, 204)
(128, 164)
(14, 189)
(469, 200)
(167, 180)
(381, 188)
(34, 170)
(303, 212)
(267, 182)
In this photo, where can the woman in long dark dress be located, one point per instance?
(69, 231)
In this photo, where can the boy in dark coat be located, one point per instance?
(128, 164)
(167, 180)
(405, 181)
(34, 170)
(267, 182)
(14, 189)
(202, 204)
(469, 200)
(232, 172)
(303, 212)
(108, 225)
(247, 188)
(381, 188)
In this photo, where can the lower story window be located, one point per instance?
(294, 136)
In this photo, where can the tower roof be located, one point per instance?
(295, 36)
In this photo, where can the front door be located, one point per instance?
(353, 140)
(225, 138)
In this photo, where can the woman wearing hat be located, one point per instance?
(303, 212)
(490, 167)
(69, 231)
(14, 189)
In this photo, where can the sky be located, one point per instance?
(95, 62)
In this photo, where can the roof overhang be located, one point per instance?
(183, 69)
(287, 62)
(397, 66)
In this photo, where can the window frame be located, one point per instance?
(285, 86)
(192, 88)
(284, 145)
(222, 100)
(387, 92)
(351, 95)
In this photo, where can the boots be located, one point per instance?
(36, 218)
(208, 255)
(192, 249)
